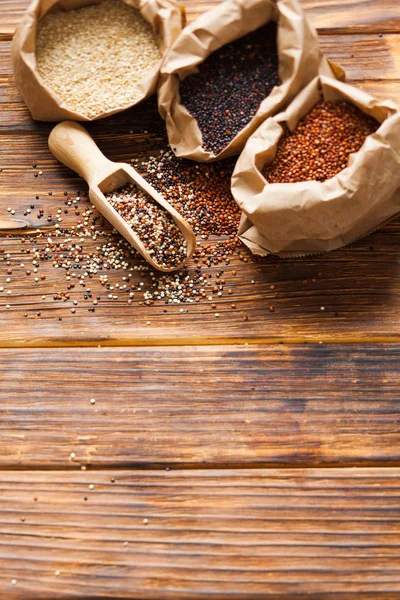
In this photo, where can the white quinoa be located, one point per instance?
(93, 57)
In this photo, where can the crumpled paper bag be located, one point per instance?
(165, 16)
(300, 60)
(293, 219)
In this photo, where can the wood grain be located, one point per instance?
(286, 533)
(233, 534)
(244, 405)
(370, 16)
(359, 16)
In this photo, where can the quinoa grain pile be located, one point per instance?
(230, 86)
(201, 193)
(94, 57)
(320, 146)
(154, 226)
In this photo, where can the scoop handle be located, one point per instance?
(72, 145)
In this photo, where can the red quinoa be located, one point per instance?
(320, 146)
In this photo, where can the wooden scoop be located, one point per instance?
(72, 145)
(12, 224)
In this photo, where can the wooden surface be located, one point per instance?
(249, 534)
(327, 15)
(263, 469)
(358, 286)
(253, 405)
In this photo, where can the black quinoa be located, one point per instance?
(230, 86)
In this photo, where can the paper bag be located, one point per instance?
(300, 60)
(309, 217)
(165, 17)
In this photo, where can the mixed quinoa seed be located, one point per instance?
(154, 226)
(93, 57)
(88, 252)
(231, 84)
(201, 193)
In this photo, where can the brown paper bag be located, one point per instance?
(165, 16)
(299, 62)
(308, 217)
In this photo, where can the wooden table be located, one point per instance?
(223, 457)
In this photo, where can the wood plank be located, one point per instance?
(365, 57)
(243, 405)
(351, 16)
(15, 117)
(353, 52)
(287, 534)
(354, 300)
(359, 16)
